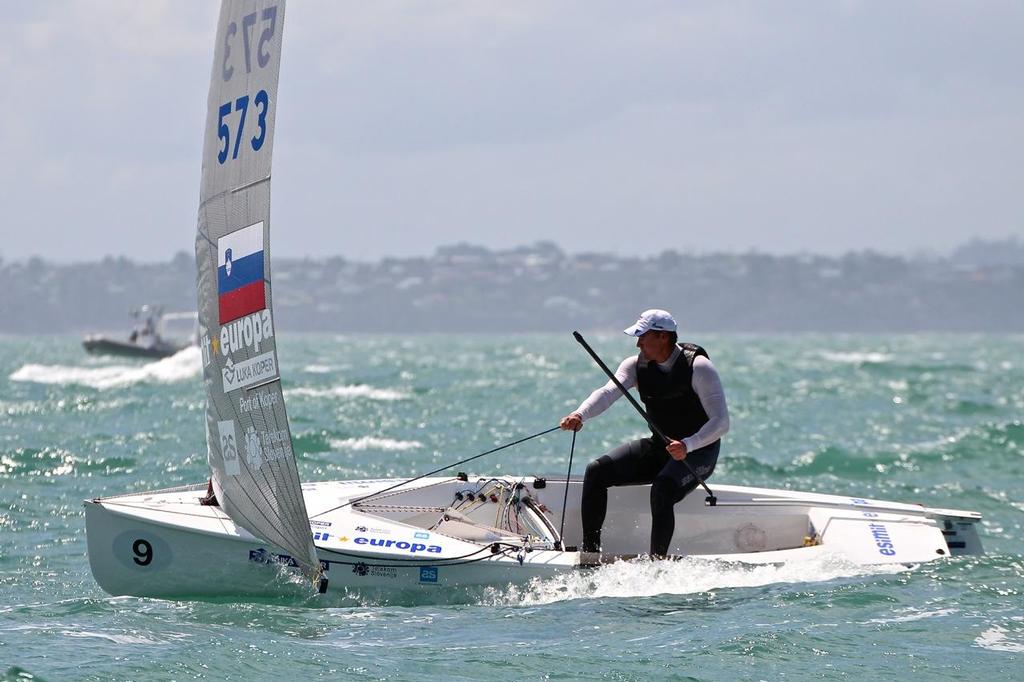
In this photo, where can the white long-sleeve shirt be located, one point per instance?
(706, 383)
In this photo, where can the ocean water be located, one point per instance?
(922, 418)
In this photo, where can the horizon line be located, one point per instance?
(924, 253)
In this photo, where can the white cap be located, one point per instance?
(658, 320)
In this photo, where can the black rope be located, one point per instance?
(431, 473)
(565, 497)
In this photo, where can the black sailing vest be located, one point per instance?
(671, 402)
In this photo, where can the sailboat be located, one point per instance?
(271, 533)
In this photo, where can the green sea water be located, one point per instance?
(923, 418)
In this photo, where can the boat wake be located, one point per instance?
(621, 580)
(644, 578)
(183, 365)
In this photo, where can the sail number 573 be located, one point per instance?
(241, 106)
(249, 21)
(246, 46)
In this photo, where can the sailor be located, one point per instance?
(147, 325)
(683, 396)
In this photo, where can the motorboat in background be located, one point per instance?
(155, 334)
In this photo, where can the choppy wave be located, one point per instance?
(52, 462)
(115, 637)
(911, 615)
(350, 391)
(183, 365)
(857, 357)
(631, 579)
(1006, 637)
(374, 443)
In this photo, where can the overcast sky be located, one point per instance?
(627, 127)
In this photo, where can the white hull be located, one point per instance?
(165, 544)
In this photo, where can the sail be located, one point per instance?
(248, 440)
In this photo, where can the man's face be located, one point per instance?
(655, 345)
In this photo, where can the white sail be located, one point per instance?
(249, 441)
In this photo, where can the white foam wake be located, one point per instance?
(1007, 637)
(356, 391)
(857, 358)
(632, 579)
(184, 364)
(373, 443)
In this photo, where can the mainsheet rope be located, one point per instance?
(435, 471)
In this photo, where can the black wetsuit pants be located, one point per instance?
(636, 462)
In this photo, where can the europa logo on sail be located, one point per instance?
(240, 273)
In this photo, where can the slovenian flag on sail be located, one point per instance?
(240, 273)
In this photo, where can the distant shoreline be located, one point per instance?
(538, 288)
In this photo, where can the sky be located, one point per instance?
(601, 126)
